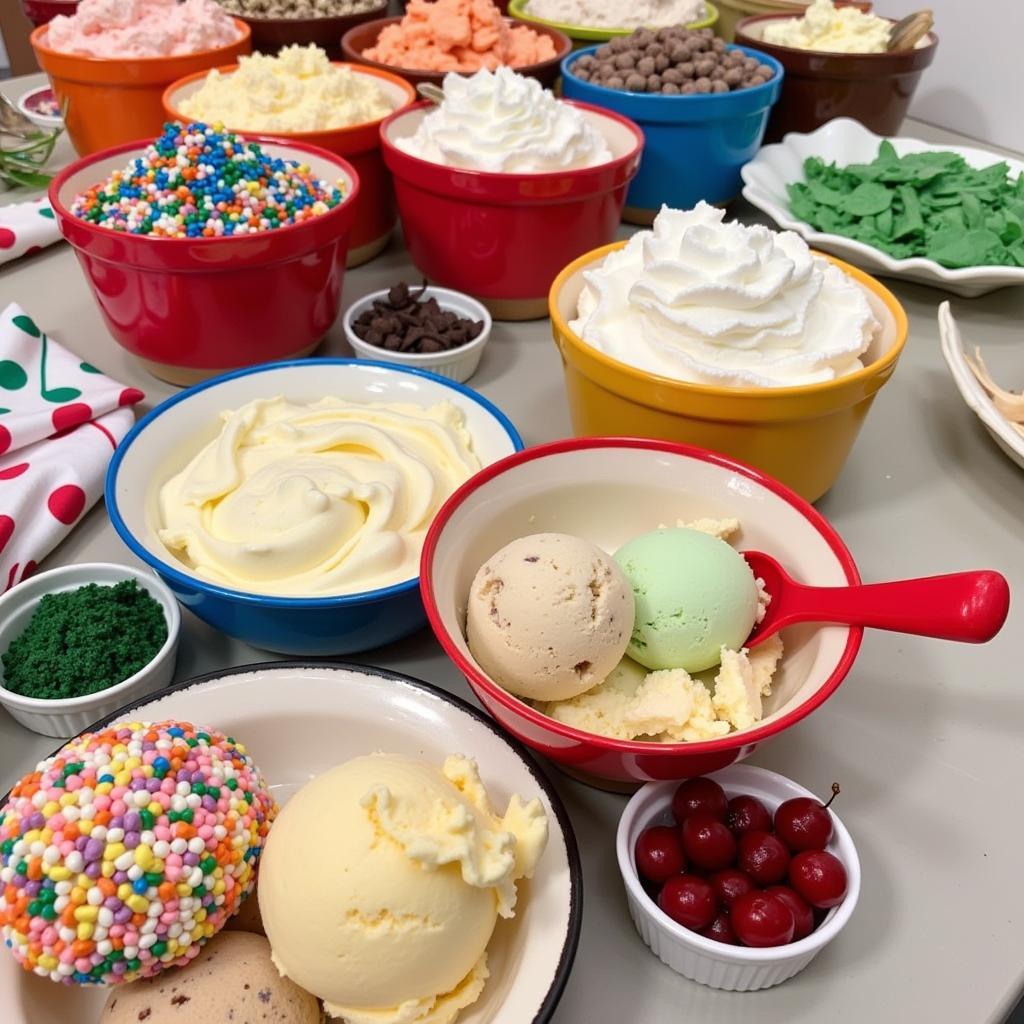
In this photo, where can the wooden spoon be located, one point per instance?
(431, 92)
(906, 33)
(967, 606)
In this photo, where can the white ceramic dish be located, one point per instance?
(29, 104)
(457, 364)
(845, 141)
(297, 720)
(733, 968)
(71, 716)
(976, 397)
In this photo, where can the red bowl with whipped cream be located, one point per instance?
(502, 237)
(190, 308)
(115, 100)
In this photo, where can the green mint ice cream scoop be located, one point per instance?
(694, 594)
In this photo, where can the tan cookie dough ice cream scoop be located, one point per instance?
(549, 616)
(232, 979)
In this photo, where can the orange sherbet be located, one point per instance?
(458, 35)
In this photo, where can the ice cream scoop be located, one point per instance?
(232, 979)
(384, 881)
(549, 616)
(694, 595)
(966, 606)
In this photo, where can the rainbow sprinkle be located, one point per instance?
(128, 849)
(200, 182)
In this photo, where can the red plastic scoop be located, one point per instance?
(966, 606)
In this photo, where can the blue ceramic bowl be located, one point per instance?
(695, 145)
(162, 443)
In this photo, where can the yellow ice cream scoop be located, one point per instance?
(382, 882)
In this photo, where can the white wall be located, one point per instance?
(976, 83)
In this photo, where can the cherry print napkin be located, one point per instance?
(60, 421)
(26, 228)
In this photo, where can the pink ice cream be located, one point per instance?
(142, 28)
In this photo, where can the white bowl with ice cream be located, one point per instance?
(286, 504)
(298, 721)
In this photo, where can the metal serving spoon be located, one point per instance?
(431, 92)
(966, 606)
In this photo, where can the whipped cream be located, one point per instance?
(502, 122)
(615, 14)
(307, 500)
(831, 29)
(696, 299)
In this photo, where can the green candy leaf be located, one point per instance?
(27, 324)
(868, 198)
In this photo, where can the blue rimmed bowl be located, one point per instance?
(694, 145)
(162, 444)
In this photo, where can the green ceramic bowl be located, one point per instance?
(581, 35)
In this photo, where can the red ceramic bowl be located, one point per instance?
(193, 308)
(375, 213)
(39, 12)
(356, 40)
(873, 88)
(608, 490)
(503, 238)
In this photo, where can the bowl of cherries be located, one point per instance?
(736, 880)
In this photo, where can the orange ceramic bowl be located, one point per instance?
(359, 144)
(801, 435)
(111, 102)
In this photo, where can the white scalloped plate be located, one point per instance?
(972, 392)
(845, 141)
(300, 718)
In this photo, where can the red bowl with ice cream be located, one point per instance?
(356, 41)
(191, 308)
(113, 101)
(359, 144)
(504, 237)
(608, 490)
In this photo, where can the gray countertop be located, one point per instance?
(924, 736)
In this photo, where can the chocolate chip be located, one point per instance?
(179, 1000)
(532, 558)
(144, 1013)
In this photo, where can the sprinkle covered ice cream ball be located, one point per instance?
(126, 850)
(203, 182)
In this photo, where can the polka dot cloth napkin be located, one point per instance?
(26, 228)
(60, 421)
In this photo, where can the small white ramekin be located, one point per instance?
(716, 964)
(457, 364)
(69, 717)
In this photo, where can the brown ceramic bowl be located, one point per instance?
(272, 34)
(873, 88)
(362, 37)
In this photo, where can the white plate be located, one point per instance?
(845, 142)
(976, 397)
(297, 720)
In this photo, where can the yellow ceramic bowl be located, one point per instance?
(583, 35)
(800, 435)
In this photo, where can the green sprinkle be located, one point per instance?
(158, 948)
(82, 641)
(48, 913)
(146, 820)
(930, 204)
